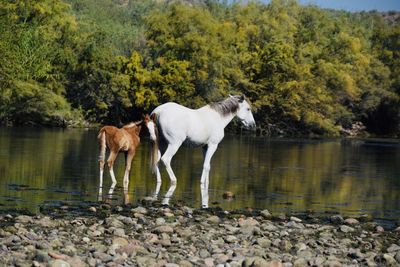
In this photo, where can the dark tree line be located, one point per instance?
(306, 70)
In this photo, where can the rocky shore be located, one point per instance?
(150, 235)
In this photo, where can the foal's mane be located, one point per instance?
(132, 124)
(226, 106)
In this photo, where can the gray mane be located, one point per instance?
(226, 106)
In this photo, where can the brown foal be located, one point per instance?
(124, 139)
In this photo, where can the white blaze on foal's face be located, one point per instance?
(245, 115)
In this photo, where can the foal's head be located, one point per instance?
(244, 112)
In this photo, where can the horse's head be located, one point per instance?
(244, 112)
(149, 122)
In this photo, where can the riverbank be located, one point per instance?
(155, 235)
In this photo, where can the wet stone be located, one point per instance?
(393, 248)
(346, 229)
(336, 219)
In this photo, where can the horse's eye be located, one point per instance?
(248, 109)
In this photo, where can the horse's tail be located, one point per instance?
(102, 144)
(153, 129)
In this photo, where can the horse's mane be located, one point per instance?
(131, 124)
(226, 106)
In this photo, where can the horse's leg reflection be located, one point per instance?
(157, 191)
(100, 195)
(126, 196)
(169, 194)
(204, 195)
(111, 190)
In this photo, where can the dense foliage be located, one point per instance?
(306, 70)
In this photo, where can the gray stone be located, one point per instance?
(164, 229)
(145, 261)
(140, 210)
(24, 219)
(59, 263)
(397, 257)
(269, 227)
(389, 260)
(351, 221)
(248, 222)
(120, 241)
(230, 239)
(185, 263)
(332, 263)
(203, 253)
(160, 221)
(295, 219)
(264, 242)
(393, 248)
(213, 219)
(266, 214)
(42, 256)
(209, 262)
(305, 254)
(300, 262)
(346, 229)
(285, 245)
(255, 262)
(113, 222)
(336, 219)
(293, 224)
(119, 232)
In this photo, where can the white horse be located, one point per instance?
(204, 127)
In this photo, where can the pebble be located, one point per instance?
(266, 214)
(393, 248)
(59, 263)
(336, 219)
(351, 221)
(190, 237)
(164, 229)
(213, 219)
(346, 229)
(140, 210)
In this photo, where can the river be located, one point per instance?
(350, 176)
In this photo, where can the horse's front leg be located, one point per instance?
(167, 157)
(209, 152)
(128, 163)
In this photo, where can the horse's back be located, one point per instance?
(179, 123)
(170, 107)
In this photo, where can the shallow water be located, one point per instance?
(353, 177)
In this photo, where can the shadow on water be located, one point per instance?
(352, 177)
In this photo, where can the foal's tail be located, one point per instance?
(102, 144)
(153, 129)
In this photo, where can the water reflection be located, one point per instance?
(352, 177)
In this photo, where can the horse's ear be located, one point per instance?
(146, 118)
(241, 98)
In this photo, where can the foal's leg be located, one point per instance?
(211, 148)
(110, 162)
(128, 162)
(167, 157)
(101, 163)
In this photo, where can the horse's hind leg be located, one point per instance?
(110, 162)
(166, 159)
